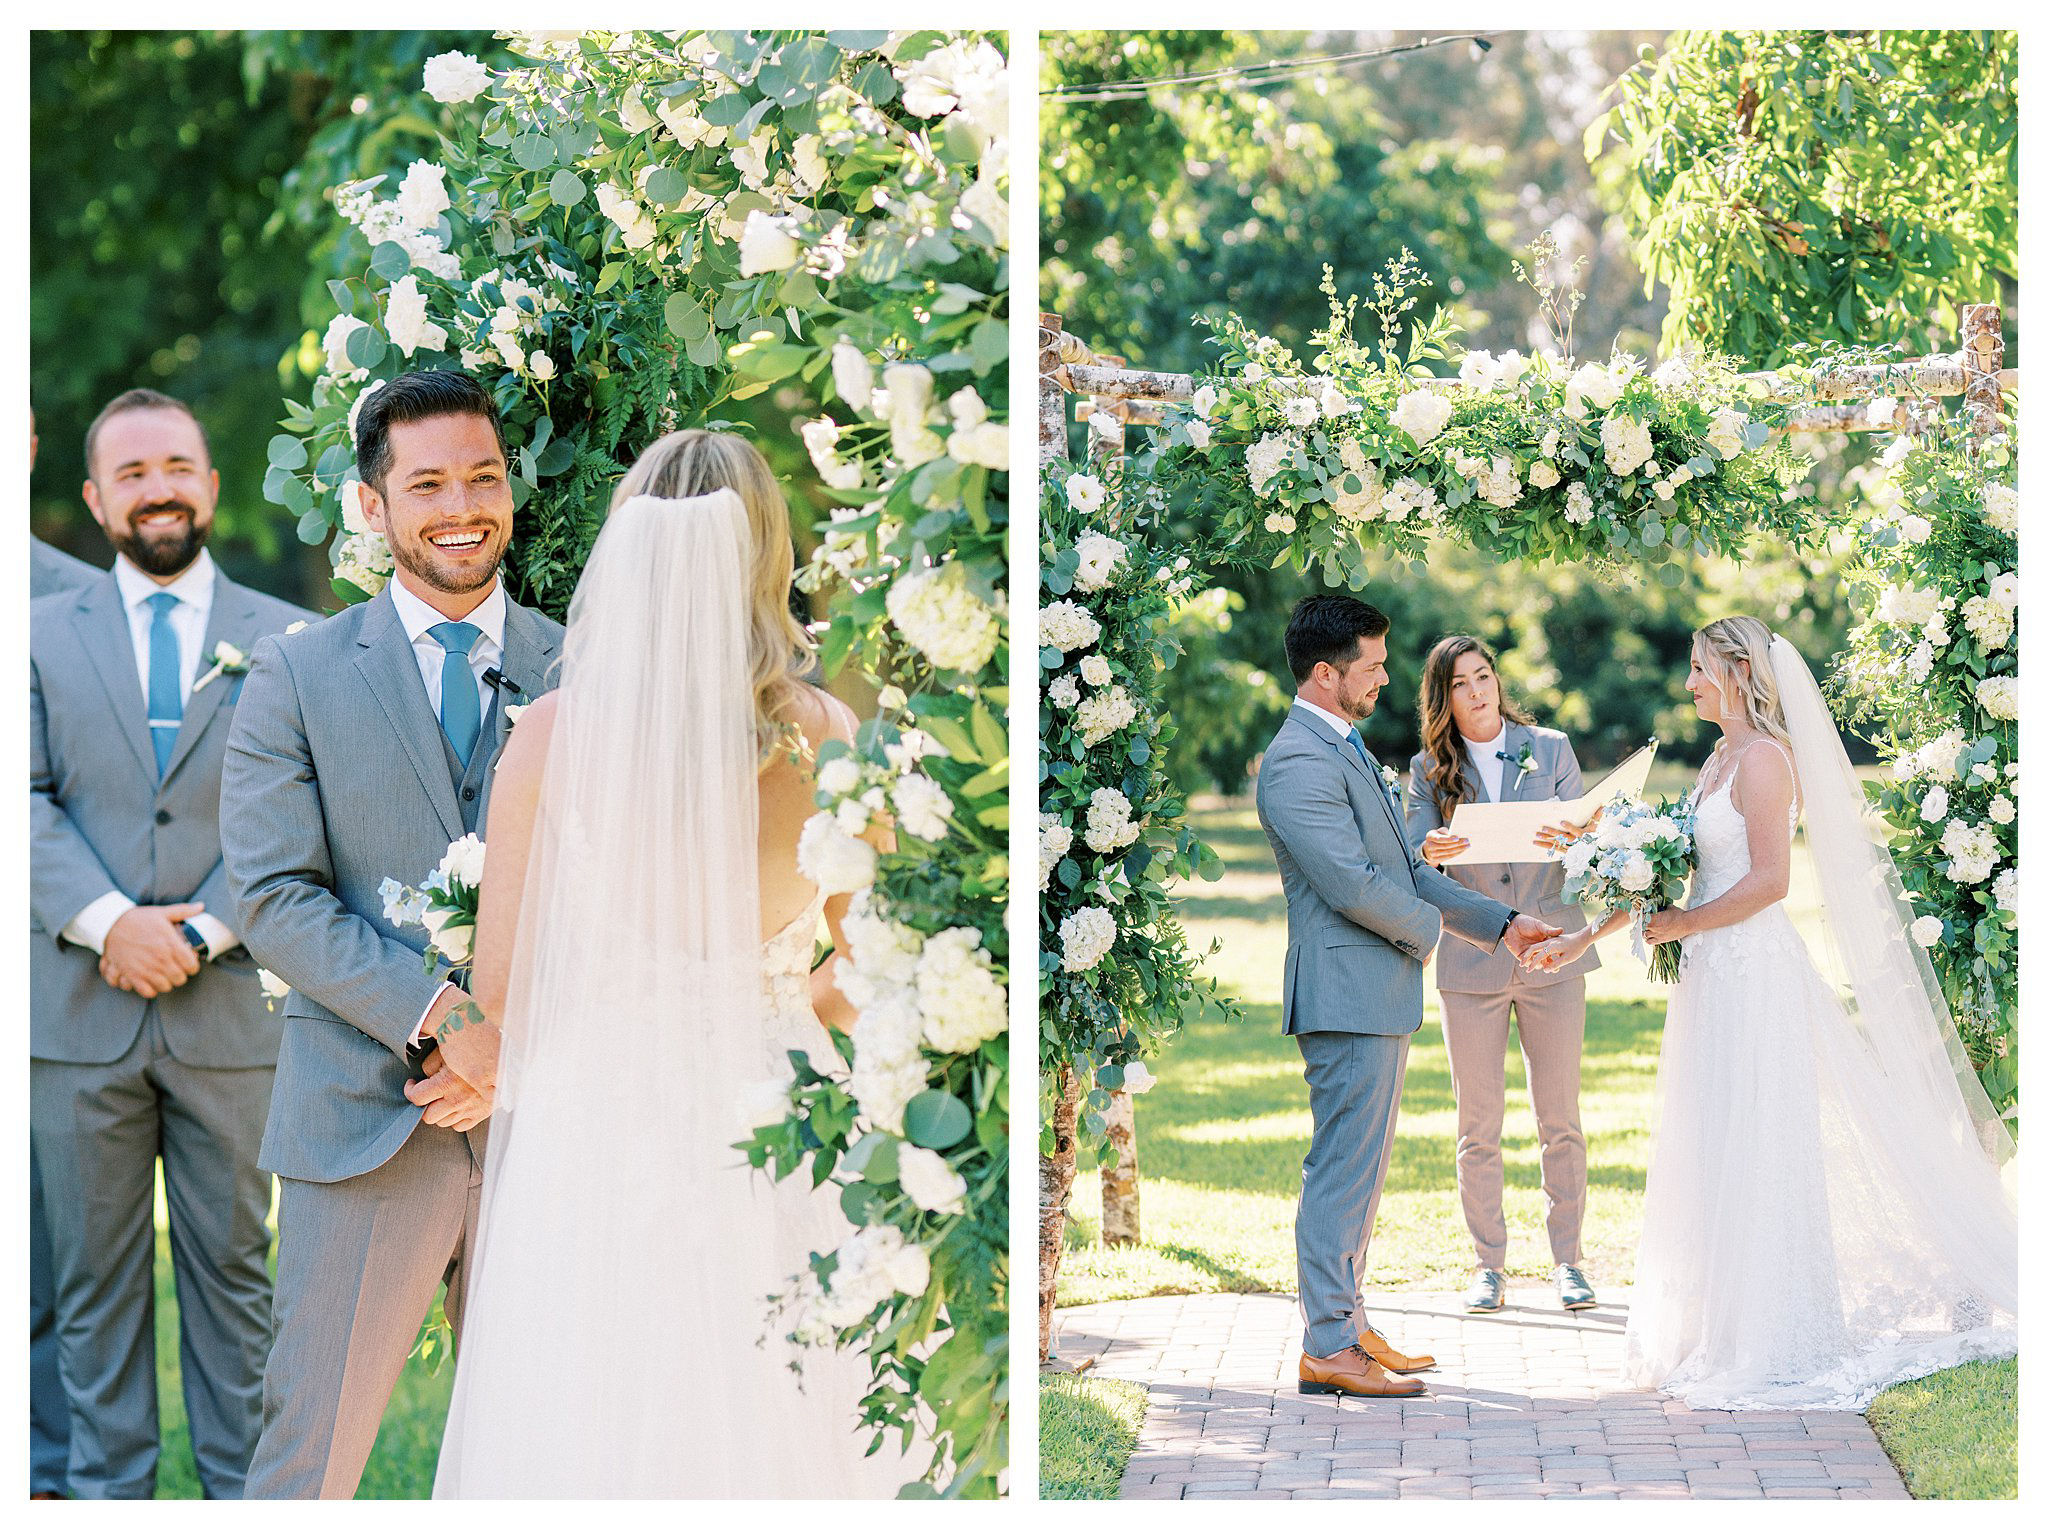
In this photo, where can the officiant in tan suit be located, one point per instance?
(1479, 746)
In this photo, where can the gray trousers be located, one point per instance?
(1550, 1019)
(49, 1413)
(1354, 1095)
(97, 1132)
(357, 1265)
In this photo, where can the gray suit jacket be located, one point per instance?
(337, 778)
(51, 569)
(1363, 910)
(1534, 887)
(100, 821)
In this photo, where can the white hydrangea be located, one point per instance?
(364, 560)
(922, 806)
(2002, 508)
(1423, 414)
(1264, 459)
(1086, 936)
(1064, 692)
(1408, 496)
(1067, 626)
(929, 1181)
(1103, 714)
(1920, 662)
(1674, 372)
(1927, 930)
(832, 858)
(2005, 890)
(1972, 850)
(1999, 696)
(1100, 557)
(944, 620)
(1627, 444)
(1909, 605)
(1109, 821)
(1497, 482)
(1055, 839)
(1578, 504)
(963, 1002)
(1988, 621)
(1592, 386)
(1725, 434)
(455, 77)
(968, 76)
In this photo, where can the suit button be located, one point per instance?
(1506, 877)
(469, 794)
(162, 816)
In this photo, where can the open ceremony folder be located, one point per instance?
(1505, 832)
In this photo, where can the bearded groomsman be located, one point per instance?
(148, 1037)
(363, 748)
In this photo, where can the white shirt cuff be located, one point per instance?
(90, 925)
(417, 1037)
(218, 937)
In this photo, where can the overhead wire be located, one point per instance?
(1248, 75)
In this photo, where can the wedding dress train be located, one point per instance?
(1818, 1225)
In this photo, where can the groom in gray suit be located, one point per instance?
(148, 1039)
(362, 748)
(1363, 915)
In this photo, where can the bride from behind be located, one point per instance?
(645, 939)
(1824, 1215)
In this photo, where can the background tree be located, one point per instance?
(1796, 188)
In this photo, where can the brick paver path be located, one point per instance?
(1526, 1403)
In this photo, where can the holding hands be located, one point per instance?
(461, 1085)
(1526, 934)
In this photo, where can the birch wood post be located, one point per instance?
(1120, 1181)
(1055, 1180)
(1052, 389)
(1983, 358)
(1106, 425)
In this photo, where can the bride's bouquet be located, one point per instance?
(1638, 859)
(444, 905)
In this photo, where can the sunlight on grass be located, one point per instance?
(1955, 1434)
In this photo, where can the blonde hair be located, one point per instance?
(1723, 649)
(685, 463)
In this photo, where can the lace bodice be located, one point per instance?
(786, 979)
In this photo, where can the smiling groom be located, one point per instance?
(362, 748)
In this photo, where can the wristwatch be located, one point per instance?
(195, 940)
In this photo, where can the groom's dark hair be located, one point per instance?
(416, 396)
(1325, 629)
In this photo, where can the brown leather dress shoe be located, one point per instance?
(1354, 1373)
(1390, 1358)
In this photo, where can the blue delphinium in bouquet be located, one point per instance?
(1637, 860)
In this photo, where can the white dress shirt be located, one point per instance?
(1337, 724)
(489, 620)
(194, 589)
(1485, 758)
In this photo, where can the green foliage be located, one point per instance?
(1934, 664)
(1116, 977)
(1205, 202)
(1954, 1434)
(1087, 1428)
(1799, 188)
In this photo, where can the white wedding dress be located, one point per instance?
(1822, 1219)
(617, 1341)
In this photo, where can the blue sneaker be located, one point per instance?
(1487, 1293)
(1573, 1289)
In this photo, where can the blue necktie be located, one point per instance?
(461, 713)
(1358, 744)
(166, 700)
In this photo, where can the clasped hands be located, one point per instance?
(461, 1085)
(147, 953)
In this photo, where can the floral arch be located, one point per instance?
(1275, 462)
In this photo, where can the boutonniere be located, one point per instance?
(512, 715)
(1523, 762)
(227, 660)
(1393, 779)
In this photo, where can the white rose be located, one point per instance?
(453, 941)
(765, 1102)
(1138, 1078)
(2002, 810)
(832, 858)
(542, 366)
(1423, 414)
(852, 376)
(1300, 411)
(634, 116)
(273, 986)
(1591, 385)
(1927, 930)
(680, 116)
(627, 215)
(1331, 400)
(455, 77)
(1084, 492)
(2005, 589)
(1637, 874)
(1478, 370)
(406, 321)
(929, 1181)
(1198, 434)
(1579, 856)
(1543, 475)
(1934, 806)
(1914, 529)
(922, 806)
(1100, 557)
(767, 244)
(422, 195)
(335, 343)
(839, 776)
(1095, 669)
(1204, 400)
(1725, 433)
(909, 400)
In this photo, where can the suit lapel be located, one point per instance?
(529, 651)
(102, 626)
(231, 621)
(1512, 738)
(1367, 772)
(388, 667)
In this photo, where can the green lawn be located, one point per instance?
(402, 1465)
(1955, 1434)
(1087, 1429)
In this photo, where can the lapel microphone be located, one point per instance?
(497, 680)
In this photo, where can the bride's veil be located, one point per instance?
(1936, 1103)
(612, 1312)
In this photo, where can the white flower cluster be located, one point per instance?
(1086, 936)
(944, 620)
(1055, 839)
(1927, 930)
(2005, 890)
(1999, 696)
(1100, 557)
(364, 560)
(455, 77)
(833, 858)
(1989, 620)
(1423, 414)
(1725, 434)
(1936, 758)
(1972, 851)
(1627, 444)
(931, 1183)
(1578, 504)
(1591, 387)
(411, 220)
(1104, 713)
(1264, 459)
(1485, 371)
(1067, 626)
(2002, 508)
(1110, 827)
(871, 1267)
